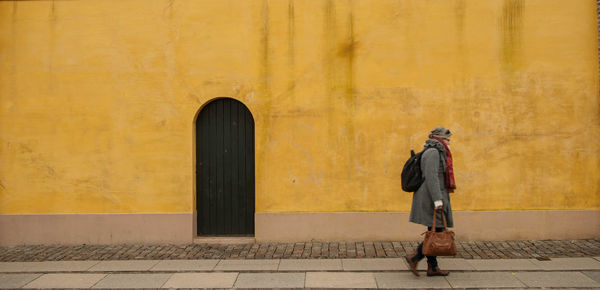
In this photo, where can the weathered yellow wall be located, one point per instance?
(98, 100)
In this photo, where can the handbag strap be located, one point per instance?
(443, 220)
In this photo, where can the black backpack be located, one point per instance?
(412, 177)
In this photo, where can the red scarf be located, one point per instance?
(450, 183)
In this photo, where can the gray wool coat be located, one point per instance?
(433, 166)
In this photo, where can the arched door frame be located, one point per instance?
(195, 149)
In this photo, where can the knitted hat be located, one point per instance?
(440, 132)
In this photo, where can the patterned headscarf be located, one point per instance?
(440, 132)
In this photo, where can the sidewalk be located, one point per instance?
(300, 273)
(559, 264)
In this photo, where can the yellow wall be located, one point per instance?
(98, 100)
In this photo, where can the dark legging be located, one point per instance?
(430, 259)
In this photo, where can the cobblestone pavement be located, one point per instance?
(315, 250)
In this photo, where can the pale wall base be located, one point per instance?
(394, 226)
(292, 227)
(38, 229)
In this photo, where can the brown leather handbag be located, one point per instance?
(439, 244)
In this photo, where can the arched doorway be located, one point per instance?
(225, 168)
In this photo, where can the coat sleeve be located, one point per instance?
(430, 166)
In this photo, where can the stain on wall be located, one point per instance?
(291, 49)
(511, 25)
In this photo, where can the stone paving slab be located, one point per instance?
(247, 265)
(185, 265)
(340, 280)
(16, 280)
(483, 280)
(65, 281)
(310, 265)
(270, 280)
(556, 279)
(121, 266)
(597, 258)
(133, 281)
(503, 265)
(201, 280)
(594, 275)
(408, 280)
(322, 250)
(569, 264)
(374, 264)
(448, 264)
(47, 266)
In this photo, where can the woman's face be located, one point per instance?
(446, 141)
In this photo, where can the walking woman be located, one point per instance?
(436, 164)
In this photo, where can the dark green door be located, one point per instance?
(225, 169)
